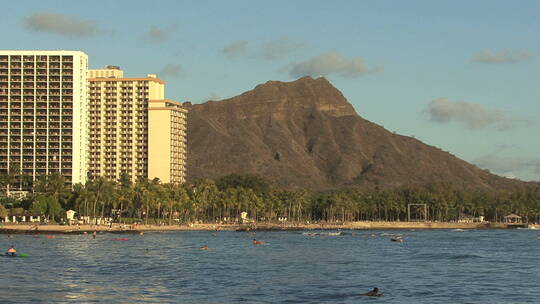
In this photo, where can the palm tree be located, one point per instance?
(124, 194)
(11, 177)
(102, 192)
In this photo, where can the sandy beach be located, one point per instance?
(124, 228)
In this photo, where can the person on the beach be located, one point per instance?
(11, 251)
(373, 293)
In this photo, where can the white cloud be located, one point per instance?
(507, 166)
(331, 63)
(61, 24)
(235, 49)
(173, 70)
(280, 48)
(505, 56)
(155, 35)
(472, 115)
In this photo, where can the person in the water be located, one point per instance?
(11, 251)
(373, 293)
(257, 242)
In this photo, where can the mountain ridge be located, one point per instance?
(306, 134)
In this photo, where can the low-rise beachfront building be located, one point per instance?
(134, 129)
(25, 217)
(43, 115)
(513, 219)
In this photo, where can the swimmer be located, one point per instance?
(373, 293)
(141, 233)
(94, 234)
(205, 247)
(255, 242)
(11, 251)
(397, 239)
(538, 236)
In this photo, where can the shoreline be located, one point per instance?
(119, 228)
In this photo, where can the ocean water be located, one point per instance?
(430, 266)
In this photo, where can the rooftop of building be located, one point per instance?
(117, 74)
(32, 52)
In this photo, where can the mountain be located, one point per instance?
(305, 133)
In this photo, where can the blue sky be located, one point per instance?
(460, 75)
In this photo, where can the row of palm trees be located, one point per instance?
(226, 198)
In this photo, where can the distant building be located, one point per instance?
(43, 114)
(513, 219)
(134, 129)
(167, 141)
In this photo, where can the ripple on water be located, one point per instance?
(496, 266)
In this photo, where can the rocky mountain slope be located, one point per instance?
(305, 134)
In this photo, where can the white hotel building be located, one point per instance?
(43, 113)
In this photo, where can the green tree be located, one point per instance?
(3, 211)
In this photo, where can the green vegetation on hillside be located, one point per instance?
(225, 199)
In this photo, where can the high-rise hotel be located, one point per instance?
(134, 129)
(58, 116)
(43, 112)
